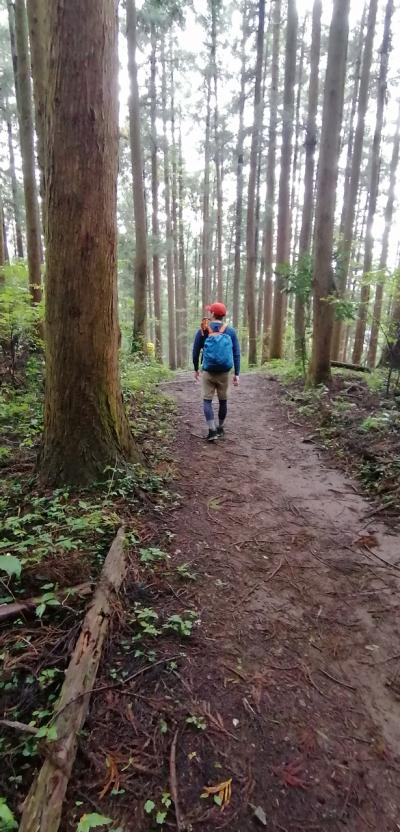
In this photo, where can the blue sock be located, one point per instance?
(222, 411)
(209, 413)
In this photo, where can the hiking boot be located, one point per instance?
(212, 436)
(220, 433)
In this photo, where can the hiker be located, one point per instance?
(220, 349)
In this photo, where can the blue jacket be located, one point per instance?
(200, 338)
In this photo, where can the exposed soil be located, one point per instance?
(292, 673)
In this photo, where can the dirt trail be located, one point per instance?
(300, 646)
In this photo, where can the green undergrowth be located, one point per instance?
(53, 545)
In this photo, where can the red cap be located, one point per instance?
(218, 309)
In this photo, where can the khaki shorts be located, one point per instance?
(215, 383)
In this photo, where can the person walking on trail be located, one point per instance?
(221, 352)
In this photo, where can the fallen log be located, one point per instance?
(43, 805)
(359, 368)
(16, 607)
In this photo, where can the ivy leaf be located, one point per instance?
(149, 806)
(11, 565)
(92, 821)
(7, 820)
(160, 817)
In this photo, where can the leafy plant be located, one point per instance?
(184, 571)
(146, 617)
(47, 600)
(11, 565)
(198, 722)
(92, 821)
(152, 555)
(180, 625)
(7, 820)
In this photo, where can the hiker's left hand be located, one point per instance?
(236, 381)
(196, 375)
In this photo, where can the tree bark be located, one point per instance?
(205, 254)
(2, 242)
(308, 198)
(239, 176)
(283, 238)
(377, 313)
(348, 225)
(271, 181)
(296, 167)
(373, 186)
(85, 426)
(38, 39)
(140, 274)
(15, 195)
(320, 367)
(26, 129)
(154, 195)
(250, 226)
(168, 224)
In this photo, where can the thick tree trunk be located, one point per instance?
(348, 225)
(2, 242)
(250, 226)
(15, 195)
(377, 313)
(271, 181)
(308, 198)
(394, 329)
(154, 195)
(283, 238)
(206, 236)
(38, 39)
(217, 154)
(373, 186)
(320, 367)
(26, 130)
(140, 276)
(168, 225)
(239, 176)
(85, 426)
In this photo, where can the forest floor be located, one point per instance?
(260, 622)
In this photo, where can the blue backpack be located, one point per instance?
(218, 351)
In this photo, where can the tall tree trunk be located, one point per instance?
(154, 195)
(182, 261)
(296, 167)
(320, 367)
(348, 225)
(250, 226)
(15, 195)
(377, 313)
(239, 175)
(85, 426)
(5, 243)
(174, 217)
(308, 198)
(205, 255)
(26, 130)
(352, 115)
(373, 186)
(2, 242)
(168, 225)
(38, 39)
(140, 276)
(271, 181)
(217, 149)
(283, 239)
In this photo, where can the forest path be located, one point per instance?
(300, 627)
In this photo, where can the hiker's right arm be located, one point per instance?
(197, 346)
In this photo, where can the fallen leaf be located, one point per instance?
(260, 815)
